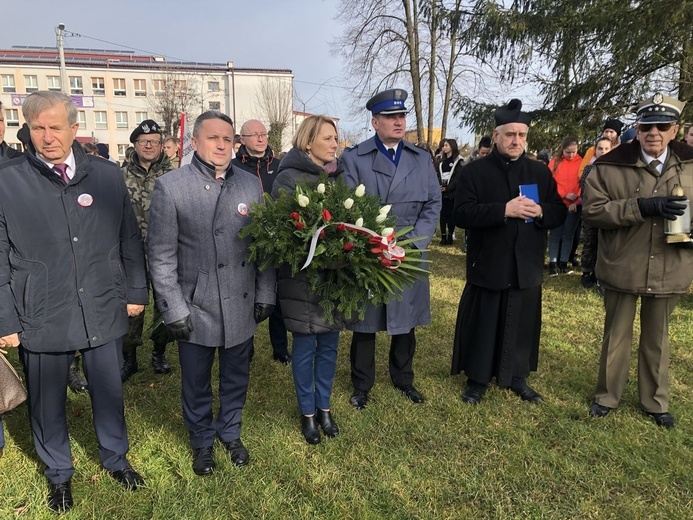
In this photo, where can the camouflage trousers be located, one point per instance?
(589, 247)
(133, 339)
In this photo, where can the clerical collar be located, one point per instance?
(385, 150)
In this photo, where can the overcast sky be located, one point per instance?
(282, 34)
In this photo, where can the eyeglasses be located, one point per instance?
(662, 127)
(256, 135)
(145, 142)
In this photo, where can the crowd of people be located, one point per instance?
(107, 237)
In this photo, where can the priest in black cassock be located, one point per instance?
(506, 202)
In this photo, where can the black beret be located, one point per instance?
(388, 102)
(511, 113)
(148, 126)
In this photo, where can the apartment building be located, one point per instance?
(116, 90)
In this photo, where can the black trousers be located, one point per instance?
(196, 371)
(46, 378)
(277, 331)
(402, 348)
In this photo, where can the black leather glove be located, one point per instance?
(667, 207)
(181, 329)
(262, 311)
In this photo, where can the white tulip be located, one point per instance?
(386, 232)
(303, 201)
(348, 203)
(321, 188)
(360, 190)
(359, 222)
(380, 218)
(385, 209)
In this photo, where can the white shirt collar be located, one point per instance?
(70, 161)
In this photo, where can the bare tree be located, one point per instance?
(174, 94)
(274, 99)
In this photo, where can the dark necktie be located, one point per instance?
(392, 152)
(61, 169)
(653, 166)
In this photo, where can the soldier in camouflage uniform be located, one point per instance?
(144, 165)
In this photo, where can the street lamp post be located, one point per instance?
(63, 72)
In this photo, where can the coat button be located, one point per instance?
(206, 186)
(245, 295)
(217, 232)
(220, 266)
(243, 263)
(94, 338)
(81, 289)
(75, 239)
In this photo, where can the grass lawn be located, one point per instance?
(442, 459)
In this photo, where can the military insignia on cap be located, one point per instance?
(145, 128)
(398, 93)
(242, 209)
(657, 99)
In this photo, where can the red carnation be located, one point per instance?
(299, 225)
(326, 215)
(322, 234)
(341, 227)
(295, 216)
(374, 240)
(376, 250)
(348, 246)
(386, 262)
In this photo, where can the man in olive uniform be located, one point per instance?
(145, 164)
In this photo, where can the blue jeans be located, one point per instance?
(561, 238)
(314, 359)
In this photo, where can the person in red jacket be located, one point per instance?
(564, 168)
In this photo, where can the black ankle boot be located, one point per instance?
(159, 361)
(329, 427)
(75, 381)
(129, 365)
(309, 429)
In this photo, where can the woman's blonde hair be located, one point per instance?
(308, 131)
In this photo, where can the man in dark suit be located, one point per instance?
(71, 272)
(210, 296)
(403, 176)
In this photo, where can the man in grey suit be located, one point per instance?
(403, 176)
(210, 296)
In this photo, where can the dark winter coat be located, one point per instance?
(300, 306)
(67, 267)
(8, 152)
(265, 168)
(505, 252)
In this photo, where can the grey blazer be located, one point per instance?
(197, 262)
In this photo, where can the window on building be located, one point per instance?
(53, 82)
(100, 120)
(119, 87)
(98, 86)
(180, 84)
(8, 83)
(12, 117)
(82, 119)
(30, 84)
(213, 86)
(159, 85)
(16, 146)
(140, 116)
(121, 151)
(140, 88)
(121, 119)
(215, 105)
(76, 86)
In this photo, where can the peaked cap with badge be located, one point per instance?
(148, 126)
(388, 102)
(659, 109)
(511, 113)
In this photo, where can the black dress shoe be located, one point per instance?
(665, 420)
(75, 381)
(473, 393)
(527, 393)
(159, 361)
(239, 455)
(284, 359)
(326, 422)
(359, 399)
(60, 496)
(128, 477)
(309, 429)
(203, 461)
(597, 410)
(411, 393)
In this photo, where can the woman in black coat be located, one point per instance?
(449, 168)
(314, 347)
